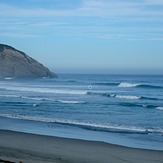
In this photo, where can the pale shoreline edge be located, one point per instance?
(32, 148)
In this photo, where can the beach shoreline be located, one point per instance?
(32, 148)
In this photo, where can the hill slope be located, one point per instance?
(14, 63)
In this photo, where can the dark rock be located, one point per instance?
(6, 161)
(17, 64)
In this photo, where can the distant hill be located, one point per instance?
(17, 64)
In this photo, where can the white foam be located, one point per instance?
(159, 108)
(44, 99)
(123, 84)
(130, 129)
(71, 102)
(8, 78)
(41, 119)
(30, 98)
(128, 97)
(44, 90)
(37, 98)
(15, 96)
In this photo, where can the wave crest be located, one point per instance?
(44, 90)
(89, 126)
(127, 97)
(148, 86)
(160, 108)
(71, 102)
(44, 99)
(126, 85)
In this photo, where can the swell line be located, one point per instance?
(43, 99)
(44, 90)
(127, 97)
(89, 126)
(147, 86)
(147, 106)
(106, 84)
(128, 85)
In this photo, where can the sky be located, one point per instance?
(87, 36)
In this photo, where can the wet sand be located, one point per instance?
(31, 148)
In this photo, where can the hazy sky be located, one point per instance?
(110, 36)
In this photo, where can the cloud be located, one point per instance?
(19, 35)
(154, 2)
(28, 12)
(132, 37)
(48, 24)
(87, 8)
(107, 19)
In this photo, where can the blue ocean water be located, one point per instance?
(119, 109)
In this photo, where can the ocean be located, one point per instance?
(119, 109)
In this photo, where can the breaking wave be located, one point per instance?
(147, 106)
(127, 104)
(70, 102)
(127, 97)
(44, 99)
(44, 90)
(159, 108)
(89, 126)
(127, 85)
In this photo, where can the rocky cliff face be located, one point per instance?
(14, 63)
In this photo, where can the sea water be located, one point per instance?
(119, 109)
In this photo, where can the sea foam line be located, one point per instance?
(127, 97)
(126, 85)
(45, 99)
(71, 102)
(88, 126)
(146, 106)
(14, 96)
(147, 86)
(160, 108)
(44, 90)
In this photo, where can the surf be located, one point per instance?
(138, 85)
(44, 90)
(89, 126)
(127, 97)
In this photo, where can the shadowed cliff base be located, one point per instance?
(17, 64)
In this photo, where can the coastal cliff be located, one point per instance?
(17, 64)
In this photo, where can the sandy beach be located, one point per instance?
(30, 148)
